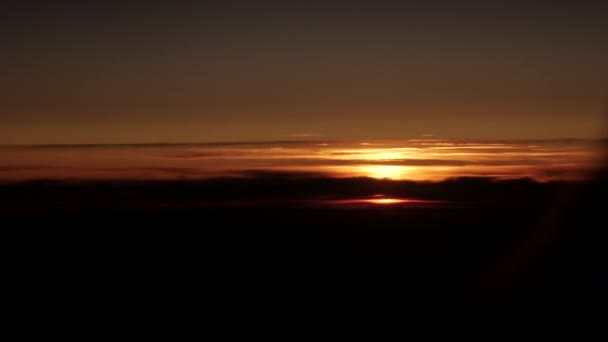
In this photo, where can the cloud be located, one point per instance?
(347, 162)
(18, 168)
(305, 135)
(195, 155)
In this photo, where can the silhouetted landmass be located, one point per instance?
(265, 186)
(145, 247)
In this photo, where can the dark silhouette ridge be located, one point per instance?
(252, 186)
(167, 246)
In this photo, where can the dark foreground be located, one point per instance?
(133, 251)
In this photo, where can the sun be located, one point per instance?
(384, 171)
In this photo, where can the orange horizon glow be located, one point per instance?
(418, 160)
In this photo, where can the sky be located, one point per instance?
(85, 72)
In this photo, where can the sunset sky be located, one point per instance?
(215, 160)
(76, 72)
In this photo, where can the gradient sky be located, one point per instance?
(200, 71)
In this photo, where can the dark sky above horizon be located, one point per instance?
(126, 71)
